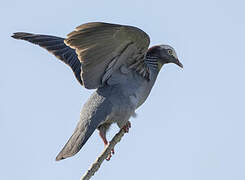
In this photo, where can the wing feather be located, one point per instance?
(98, 44)
(57, 47)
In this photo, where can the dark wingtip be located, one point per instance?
(20, 35)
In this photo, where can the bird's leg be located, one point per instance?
(102, 133)
(103, 137)
(126, 127)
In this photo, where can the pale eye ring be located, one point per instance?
(170, 52)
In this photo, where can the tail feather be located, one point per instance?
(76, 141)
(93, 114)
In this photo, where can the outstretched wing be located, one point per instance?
(57, 47)
(102, 48)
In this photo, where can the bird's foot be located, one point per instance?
(126, 130)
(103, 137)
(126, 127)
(110, 155)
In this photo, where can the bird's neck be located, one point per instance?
(153, 64)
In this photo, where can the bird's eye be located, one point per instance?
(170, 52)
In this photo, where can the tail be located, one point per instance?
(93, 114)
(76, 141)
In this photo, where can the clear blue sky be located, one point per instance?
(190, 128)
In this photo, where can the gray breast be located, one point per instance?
(131, 86)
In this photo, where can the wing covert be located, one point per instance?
(102, 48)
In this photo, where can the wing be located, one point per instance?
(102, 48)
(57, 47)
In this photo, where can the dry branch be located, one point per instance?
(96, 165)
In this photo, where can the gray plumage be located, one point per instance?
(114, 60)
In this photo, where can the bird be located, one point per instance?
(118, 63)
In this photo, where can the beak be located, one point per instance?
(179, 63)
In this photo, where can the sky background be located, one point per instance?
(190, 128)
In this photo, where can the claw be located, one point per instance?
(110, 155)
(126, 127)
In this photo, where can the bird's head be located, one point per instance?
(165, 54)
